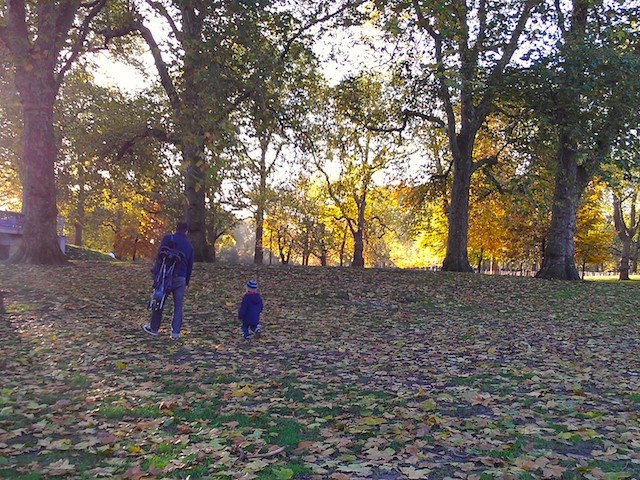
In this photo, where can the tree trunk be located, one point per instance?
(358, 249)
(480, 259)
(558, 262)
(40, 244)
(78, 233)
(625, 258)
(193, 150)
(343, 246)
(626, 232)
(80, 210)
(195, 211)
(456, 258)
(258, 255)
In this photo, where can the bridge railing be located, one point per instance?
(13, 222)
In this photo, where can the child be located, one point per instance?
(250, 308)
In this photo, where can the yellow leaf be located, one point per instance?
(373, 421)
(429, 405)
(244, 391)
(121, 365)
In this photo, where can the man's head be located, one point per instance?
(182, 227)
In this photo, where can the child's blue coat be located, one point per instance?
(250, 308)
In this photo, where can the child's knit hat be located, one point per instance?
(252, 285)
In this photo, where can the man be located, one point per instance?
(181, 278)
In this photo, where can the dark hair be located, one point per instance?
(182, 227)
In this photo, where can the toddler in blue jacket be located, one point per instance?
(250, 309)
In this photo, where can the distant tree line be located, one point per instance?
(464, 134)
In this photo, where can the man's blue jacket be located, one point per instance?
(180, 241)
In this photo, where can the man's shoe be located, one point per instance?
(147, 328)
(175, 336)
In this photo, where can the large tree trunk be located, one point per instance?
(193, 139)
(40, 244)
(456, 258)
(195, 211)
(558, 262)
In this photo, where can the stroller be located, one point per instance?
(166, 262)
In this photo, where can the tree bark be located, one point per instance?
(624, 259)
(40, 244)
(195, 211)
(457, 258)
(558, 262)
(258, 256)
(358, 249)
(626, 233)
(192, 138)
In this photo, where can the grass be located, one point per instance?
(375, 373)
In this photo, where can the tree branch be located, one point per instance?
(160, 8)
(445, 94)
(492, 160)
(431, 118)
(150, 132)
(317, 21)
(84, 31)
(163, 71)
(498, 69)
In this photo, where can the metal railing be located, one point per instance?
(13, 222)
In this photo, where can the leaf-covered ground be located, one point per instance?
(375, 374)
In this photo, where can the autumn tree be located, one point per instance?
(217, 59)
(626, 219)
(588, 89)
(43, 40)
(623, 178)
(594, 232)
(357, 153)
(458, 53)
(298, 221)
